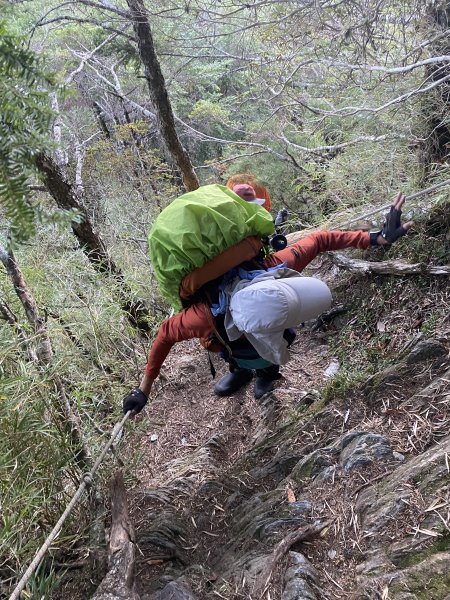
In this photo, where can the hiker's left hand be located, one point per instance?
(393, 228)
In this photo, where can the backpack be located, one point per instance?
(195, 229)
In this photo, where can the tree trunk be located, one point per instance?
(67, 197)
(387, 267)
(101, 119)
(43, 347)
(25, 343)
(159, 95)
(438, 140)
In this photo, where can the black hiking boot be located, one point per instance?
(262, 387)
(232, 382)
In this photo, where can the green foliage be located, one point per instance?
(37, 466)
(209, 111)
(43, 582)
(33, 464)
(24, 120)
(344, 383)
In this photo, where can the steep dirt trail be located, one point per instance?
(185, 412)
(221, 481)
(183, 418)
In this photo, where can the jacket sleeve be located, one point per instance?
(300, 254)
(193, 322)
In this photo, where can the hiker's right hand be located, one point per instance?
(135, 401)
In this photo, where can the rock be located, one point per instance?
(273, 526)
(332, 369)
(265, 515)
(426, 350)
(380, 504)
(298, 579)
(298, 589)
(176, 590)
(306, 398)
(246, 569)
(392, 374)
(269, 518)
(326, 475)
(278, 467)
(429, 579)
(347, 438)
(154, 437)
(376, 563)
(163, 533)
(301, 507)
(312, 464)
(365, 449)
(399, 456)
(185, 364)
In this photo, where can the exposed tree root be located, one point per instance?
(118, 583)
(281, 549)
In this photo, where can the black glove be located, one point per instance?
(135, 401)
(393, 228)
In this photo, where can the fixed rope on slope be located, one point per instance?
(86, 482)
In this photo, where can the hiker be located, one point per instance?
(247, 193)
(260, 190)
(254, 329)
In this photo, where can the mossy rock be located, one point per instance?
(312, 464)
(392, 374)
(428, 580)
(410, 559)
(426, 350)
(379, 504)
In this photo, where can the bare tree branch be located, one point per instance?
(353, 110)
(87, 57)
(60, 156)
(418, 194)
(334, 147)
(388, 70)
(71, 19)
(11, 318)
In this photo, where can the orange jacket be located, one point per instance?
(197, 321)
(260, 190)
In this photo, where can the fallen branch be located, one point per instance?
(282, 548)
(299, 235)
(410, 197)
(387, 267)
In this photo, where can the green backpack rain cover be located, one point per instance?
(196, 227)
